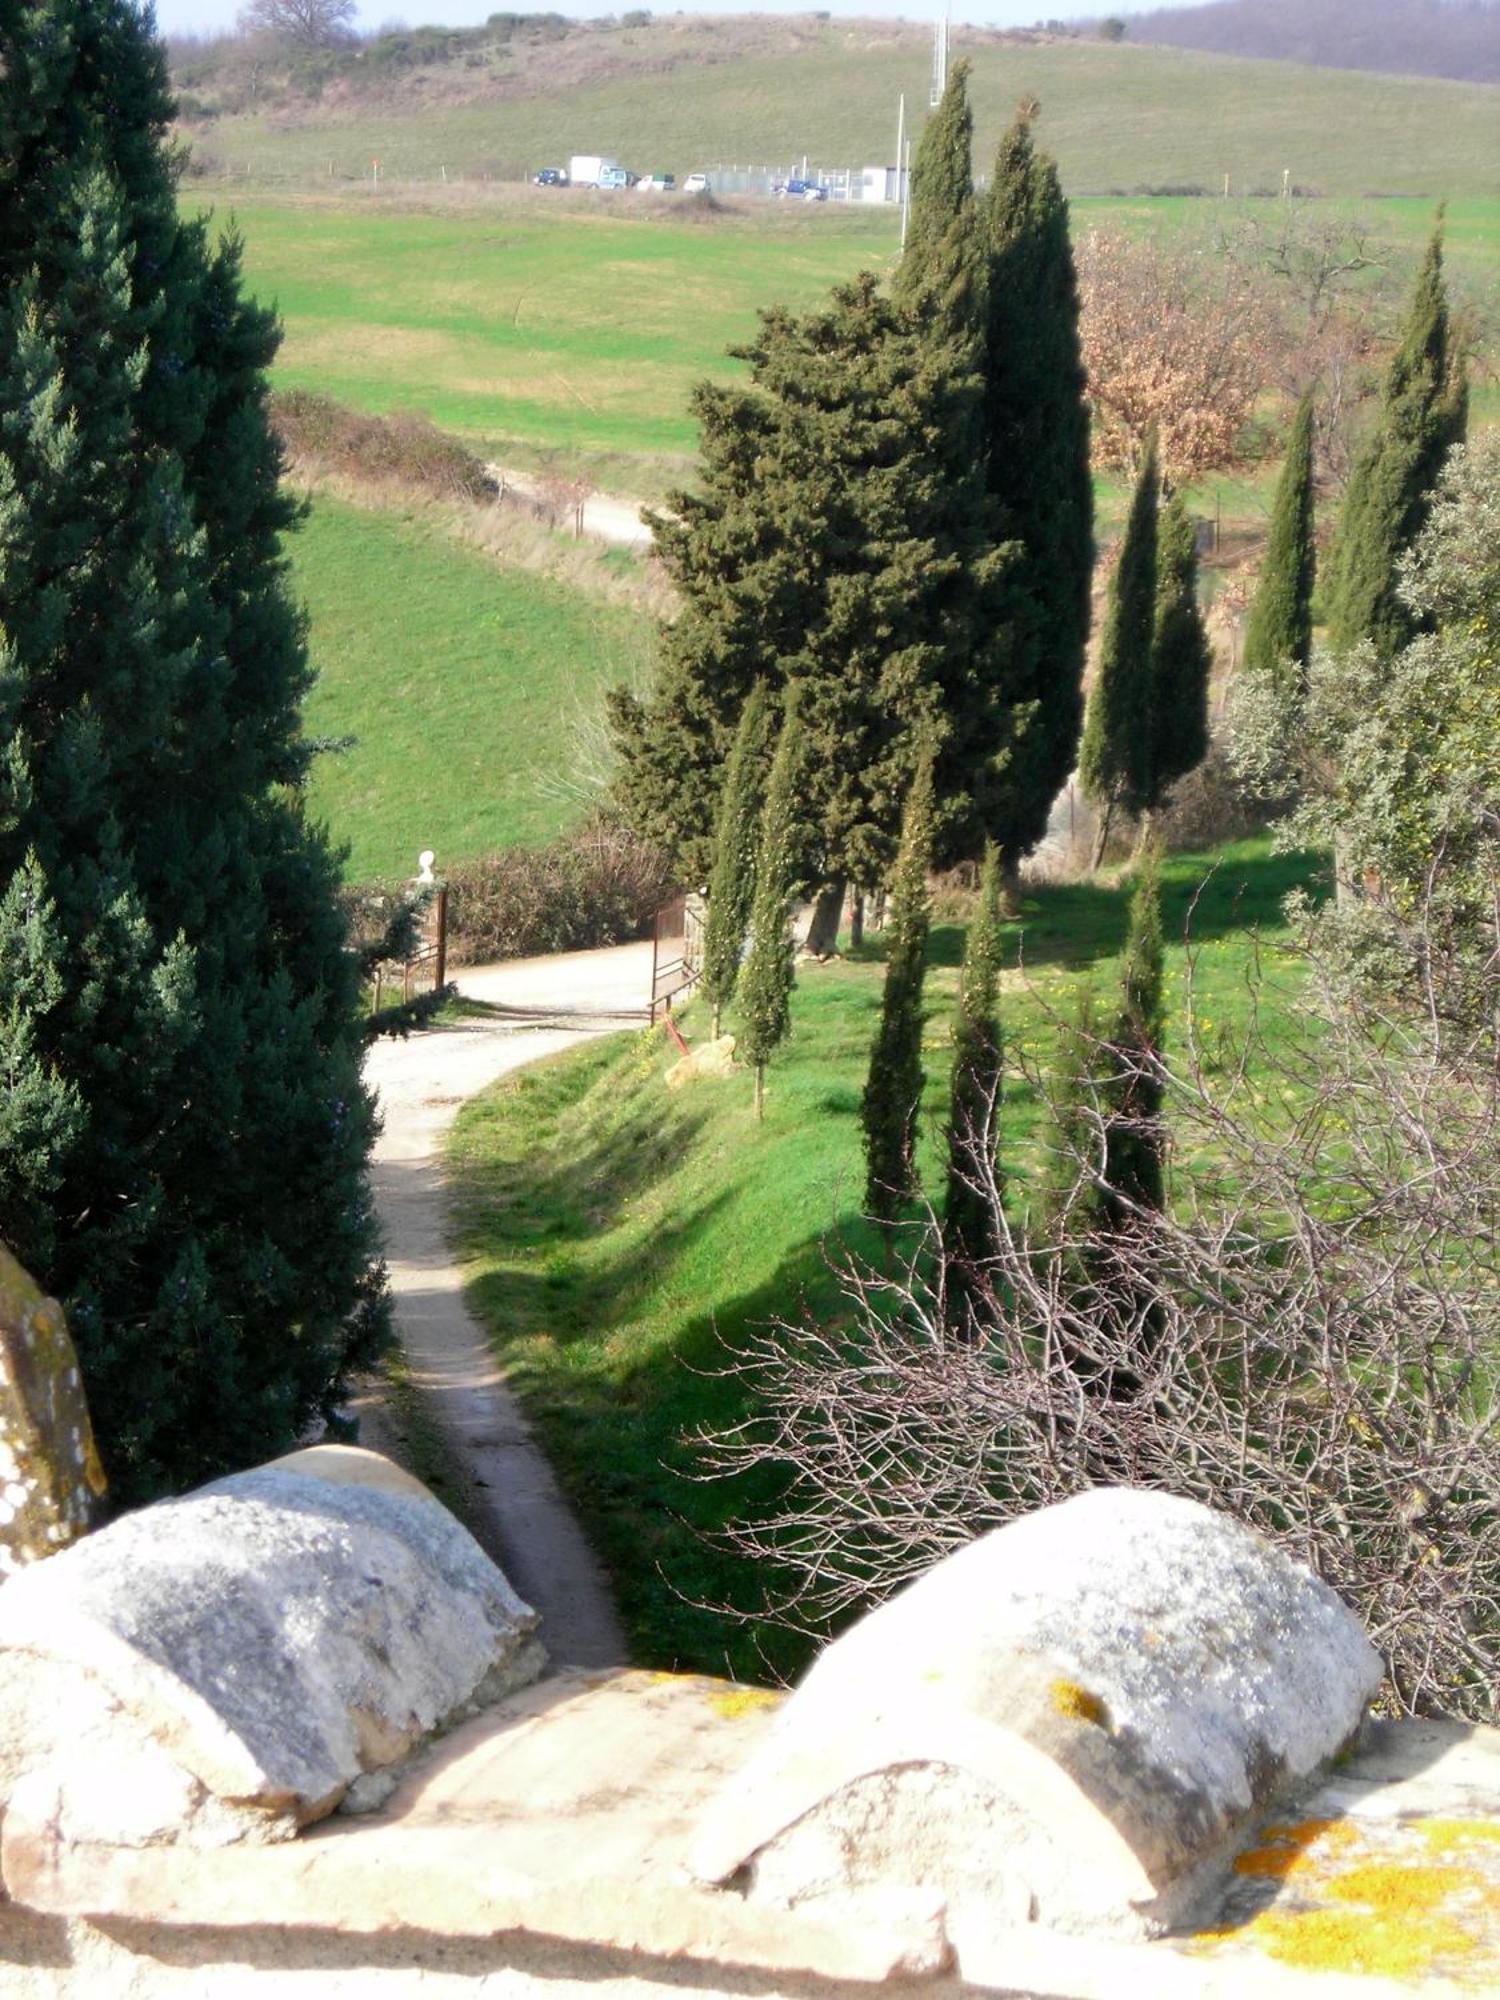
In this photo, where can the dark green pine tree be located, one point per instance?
(765, 984)
(969, 1235)
(1181, 656)
(893, 1089)
(1278, 638)
(1423, 413)
(940, 278)
(182, 1160)
(731, 886)
(1037, 445)
(840, 542)
(1114, 764)
(1134, 1148)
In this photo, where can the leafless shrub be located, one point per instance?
(595, 887)
(1310, 1340)
(319, 435)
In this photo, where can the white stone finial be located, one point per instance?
(424, 866)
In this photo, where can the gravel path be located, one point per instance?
(510, 1495)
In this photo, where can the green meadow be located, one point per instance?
(623, 1241)
(534, 325)
(460, 681)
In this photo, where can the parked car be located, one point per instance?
(800, 191)
(656, 183)
(696, 184)
(616, 177)
(550, 177)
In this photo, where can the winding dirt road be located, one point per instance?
(511, 1496)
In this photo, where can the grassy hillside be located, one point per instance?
(622, 1240)
(539, 322)
(683, 93)
(461, 681)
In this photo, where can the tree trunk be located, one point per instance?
(716, 1021)
(823, 931)
(1101, 837)
(760, 1091)
(1010, 885)
(857, 920)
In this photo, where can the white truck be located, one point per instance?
(587, 170)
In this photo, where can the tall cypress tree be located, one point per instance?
(968, 1216)
(1134, 1146)
(893, 1089)
(731, 887)
(186, 1171)
(1181, 657)
(1114, 765)
(765, 985)
(1278, 638)
(940, 277)
(1037, 450)
(841, 541)
(1423, 413)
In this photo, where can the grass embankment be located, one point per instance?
(680, 93)
(622, 1239)
(462, 681)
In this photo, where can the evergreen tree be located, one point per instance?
(765, 985)
(1037, 446)
(182, 1154)
(731, 887)
(968, 1216)
(1424, 408)
(940, 278)
(1134, 1150)
(840, 541)
(1180, 657)
(1278, 639)
(1114, 765)
(893, 1089)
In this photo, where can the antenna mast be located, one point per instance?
(939, 60)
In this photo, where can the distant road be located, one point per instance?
(606, 516)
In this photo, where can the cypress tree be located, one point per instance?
(1180, 656)
(1278, 639)
(1134, 1150)
(968, 1218)
(182, 1162)
(731, 887)
(765, 985)
(840, 541)
(940, 278)
(893, 1089)
(1037, 446)
(1114, 764)
(1423, 412)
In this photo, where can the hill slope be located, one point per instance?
(1452, 38)
(685, 92)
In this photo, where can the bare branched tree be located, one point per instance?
(1324, 1306)
(311, 24)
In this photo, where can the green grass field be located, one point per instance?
(682, 94)
(460, 679)
(531, 326)
(622, 1239)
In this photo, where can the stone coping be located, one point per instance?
(563, 1817)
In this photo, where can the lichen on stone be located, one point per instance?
(1069, 1699)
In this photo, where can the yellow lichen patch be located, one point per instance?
(1454, 1836)
(1398, 1889)
(1071, 1700)
(734, 1702)
(1397, 1947)
(1288, 1850)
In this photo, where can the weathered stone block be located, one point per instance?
(1068, 1721)
(50, 1475)
(223, 1667)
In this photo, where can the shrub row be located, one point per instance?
(401, 449)
(595, 887)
